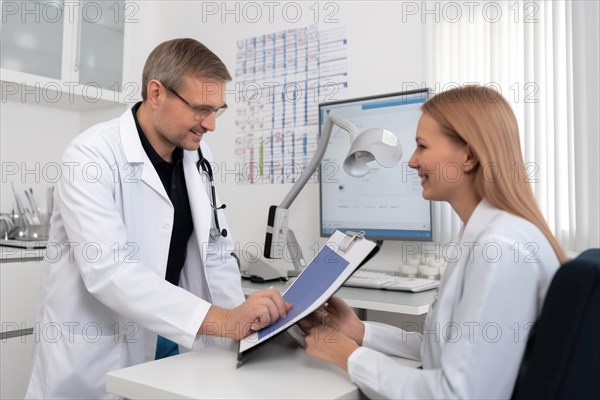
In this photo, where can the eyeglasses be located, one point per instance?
(200, 112)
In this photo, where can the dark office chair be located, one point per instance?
(562, 357)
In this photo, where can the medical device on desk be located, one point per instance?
(385, 201)
(372, 144)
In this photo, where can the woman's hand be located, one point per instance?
(326, 343)
(338, 315)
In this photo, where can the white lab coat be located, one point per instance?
(475, 332)
(104, 296)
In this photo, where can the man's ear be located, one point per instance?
(153, 91)
(472, 161)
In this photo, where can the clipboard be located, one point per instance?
(337, 260)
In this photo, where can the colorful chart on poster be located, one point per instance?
(281, 78)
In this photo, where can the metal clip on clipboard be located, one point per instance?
(350, 239)
(353, 237)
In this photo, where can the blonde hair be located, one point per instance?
(481, 118)
(172, 61)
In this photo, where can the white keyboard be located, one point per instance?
(381, 280)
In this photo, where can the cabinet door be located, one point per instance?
(31, 37)
(101, 43)
(21, 284)
(16, 356)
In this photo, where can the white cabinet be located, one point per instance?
(20, 284)
(16, 355)
(32, 37)
(101, 35)
(66, 53)
(20, 290)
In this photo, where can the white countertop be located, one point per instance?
(12, 254)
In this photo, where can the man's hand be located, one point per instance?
(261, 309)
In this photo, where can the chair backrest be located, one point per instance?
(562, 357)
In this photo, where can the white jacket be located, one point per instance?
(476, 330)
(104, 296)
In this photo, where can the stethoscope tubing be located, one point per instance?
(205, 165)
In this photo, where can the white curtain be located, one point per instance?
(543, 57)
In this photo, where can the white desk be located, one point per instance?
(282, 372)
(367, 299)
(275, 372)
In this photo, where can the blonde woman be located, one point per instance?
(468, 154)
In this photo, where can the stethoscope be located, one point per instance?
(215, 232)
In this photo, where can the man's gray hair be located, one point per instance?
(174, 60)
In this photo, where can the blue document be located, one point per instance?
(317, 278)
(328, 270)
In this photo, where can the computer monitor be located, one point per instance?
(387, 203)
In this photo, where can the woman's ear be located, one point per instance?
(471, 162)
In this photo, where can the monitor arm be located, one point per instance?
(279, 237)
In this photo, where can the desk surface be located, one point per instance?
(276, 372)
(368, 299)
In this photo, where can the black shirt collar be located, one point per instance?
(154, 157)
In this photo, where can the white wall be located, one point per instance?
(33, 138)
(383, 53)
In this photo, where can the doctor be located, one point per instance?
(135, 251)
(468, 154)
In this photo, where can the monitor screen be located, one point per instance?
(387, 202)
